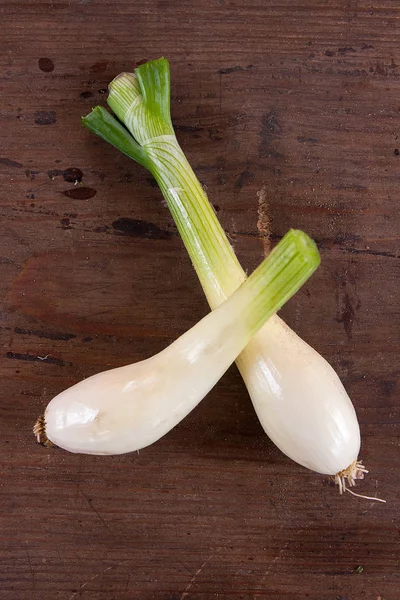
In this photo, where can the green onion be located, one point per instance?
(298, 397)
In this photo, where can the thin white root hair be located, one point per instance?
(366, 497)
(347, 478)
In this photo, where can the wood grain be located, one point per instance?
(289, 106)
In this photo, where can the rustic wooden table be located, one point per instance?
(288, 108)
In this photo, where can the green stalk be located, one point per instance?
(107, 127)
(278, 277)
(141, 102)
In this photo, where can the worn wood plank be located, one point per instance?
(291, 108)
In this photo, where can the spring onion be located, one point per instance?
(299, 399)
(128, 408)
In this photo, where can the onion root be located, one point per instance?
(39, 431)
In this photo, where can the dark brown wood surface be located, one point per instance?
(286, 109)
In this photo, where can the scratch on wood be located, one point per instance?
(90, 580)
(260, 593)
(347, 300)
(95, 511)
(264, 221)
(123, 562)
(30, 566)
(59, 556)
(193, 579)
(228, 70)
(220, 97)
(274, 561)
(370, 252)
(127, 583)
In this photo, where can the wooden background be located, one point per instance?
(291, 107)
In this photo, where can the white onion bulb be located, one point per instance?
(301, 403)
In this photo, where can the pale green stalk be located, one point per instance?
(277, 278)
(146, 117)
